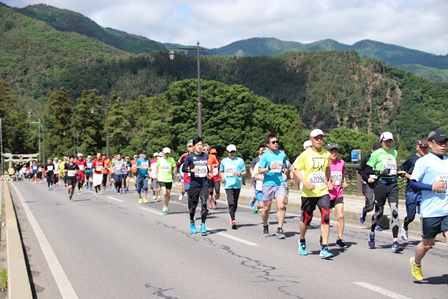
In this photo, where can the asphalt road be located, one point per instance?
(109, 246)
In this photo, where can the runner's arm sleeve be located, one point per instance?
(185, 167)
(415, 185)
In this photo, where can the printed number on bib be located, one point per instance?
(390, 164)
(81, 167)
(71, 172)
(318, 179)
(202, 172)
(99, 168)
(278, 168)
(230, 170)
(445, 179)
(215, 171)
(49, 168)
(336, 177)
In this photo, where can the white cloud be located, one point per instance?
(416, 24)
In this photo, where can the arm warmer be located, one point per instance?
(419, 186)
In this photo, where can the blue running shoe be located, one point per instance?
(302, 249)
(252, 202)
(362, 219)
(371, 240)
(378, 228)
(193, 228)
(325, 253)
(396, 247)
(203, 230)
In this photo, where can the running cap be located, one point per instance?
(89, 157)
(190, 143)
(166, 150)
(231, 148)
(386, 136)
(103, 154)
(155, 154)
(160, 154)
(79, 155)
(307, 144)
(437, 136)
(376, 146)
(213, 151)
(332, 146)
(143, 152)
(316, 132)
(422, 142)
(123, 156)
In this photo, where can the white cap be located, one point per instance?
(166, 150)
(160, 154)
(155, 154)
(89, 157)
(386, 136)
(79, 155)
(316, 132)
(231, 148)
(307, 144)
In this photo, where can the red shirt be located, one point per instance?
(187, 176)
(82, 164)
(98, 166)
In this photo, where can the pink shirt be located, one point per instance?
(337, 170)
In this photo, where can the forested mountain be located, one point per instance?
(70, 21)
(67, 79)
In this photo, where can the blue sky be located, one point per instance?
(415, 24)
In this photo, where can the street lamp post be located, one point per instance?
(199, 112)
(39, 123)
(107, 129)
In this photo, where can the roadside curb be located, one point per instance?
(18, 281)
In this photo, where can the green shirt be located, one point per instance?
(165, 169)
(382, 159)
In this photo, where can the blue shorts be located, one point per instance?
(142, 183)
(259, 195)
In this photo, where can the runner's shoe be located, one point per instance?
(404, 233)
(302, 249)
(79, 192)
(252, 202)
(215, 203)
(255, 209)
(180, 197)
(154, 197)
(233, 224)
(362, 219)
(378, 228)
(266, 231)
(416, 270)
(341, 243)
(280, 234)
(165, 210)
(193, 228)
(396, 247)
(70, 198)
(371, 240)
(145, 200)
(325, 253)
(140, 200)
(203, 229)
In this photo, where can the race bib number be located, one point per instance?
(215, 171)
(278, 166)
(230, 171)
(81, 167)
(165, 167)
(202, 171)
(336, 177)
(317, 179)
(99, 168)
(145, 164)
(391, 165)
(50, 167)
(71, 172)
(445, 179)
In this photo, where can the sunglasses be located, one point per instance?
(274, 141)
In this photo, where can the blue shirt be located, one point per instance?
(408, 166)
(143, 172)
(228, 167)
(428, 170)
(274, 176)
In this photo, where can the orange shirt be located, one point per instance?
(107, 165)
(213, 165)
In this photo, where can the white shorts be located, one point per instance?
(97, 179)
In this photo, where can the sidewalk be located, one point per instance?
(352, 209)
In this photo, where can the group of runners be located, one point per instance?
(318, 168)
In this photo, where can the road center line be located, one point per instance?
(152, 211)
(380, 290)
(61, 279)
(116, 199)
(228, 236)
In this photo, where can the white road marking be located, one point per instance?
(382, 291)
(116, 199)
(229, 236)
(61, 279)
(152, 211)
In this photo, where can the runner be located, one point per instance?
(413, 198)
(34, 171)
(258, 181)
(184, 176)
(272, 165)
(127, 174)
(261, 149)
(215, 182)
(134, 171)
(367, 188)
(89, 173)
(232, 170)
(97, 165)
(49, 173)
(430, 176)
(383, 166)
(106, 168)
(142, 165)
(164, 175)
(57, 167)
(316, 180)
(196, 165)
(213, 166)
(39, 172)
(337, 168)
(80, 175)
(71, 169)
(155, 186)
(118, 169)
